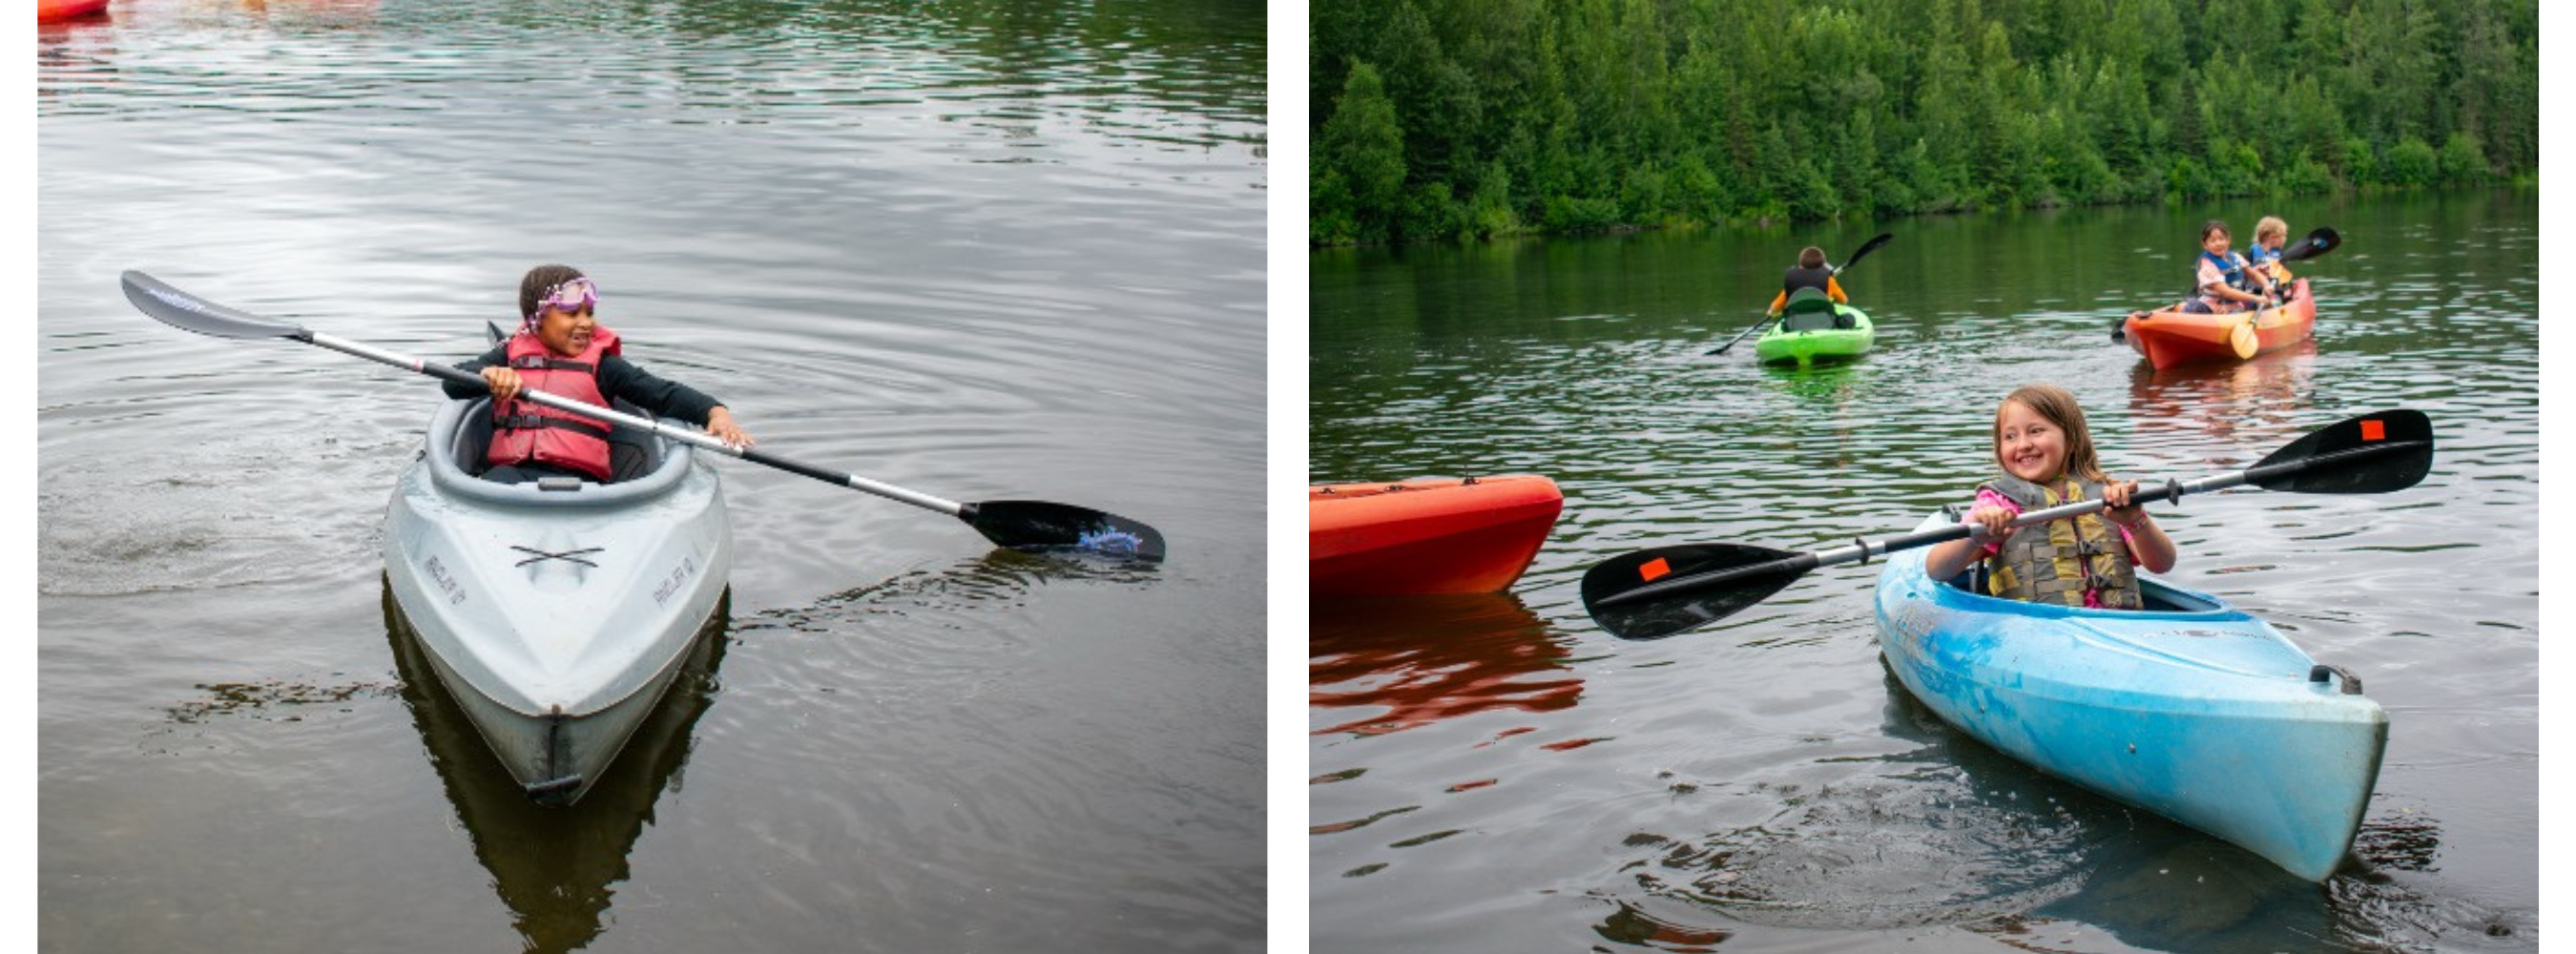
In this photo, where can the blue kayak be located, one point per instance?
(2191, 708)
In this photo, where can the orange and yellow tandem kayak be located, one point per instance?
(1446, 535)
(2168, 338)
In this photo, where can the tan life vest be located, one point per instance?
(2059, 561)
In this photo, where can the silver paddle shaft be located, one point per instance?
(681, 434)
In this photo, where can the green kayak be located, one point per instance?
(1811, 329)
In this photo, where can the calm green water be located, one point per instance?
(982, 250)
(1498, 773)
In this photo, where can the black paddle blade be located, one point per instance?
(2371, 454)
(187, 312)
(1038, 525)
(1867, 247)
(2315, 243)
(1662, 614)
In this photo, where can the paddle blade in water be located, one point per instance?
(2243, 338)
(2371, 454)
(1655, 615)
(1038, 525)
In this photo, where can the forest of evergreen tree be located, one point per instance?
(1478, 118)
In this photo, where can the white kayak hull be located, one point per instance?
(556, 618)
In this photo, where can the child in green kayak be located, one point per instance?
(2047, 456)
(1810, 272)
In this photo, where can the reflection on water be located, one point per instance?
(2256, 403)
(1167, 74)
(556, 868)
(1416, 660)
(1001, 576)
(1629, 923)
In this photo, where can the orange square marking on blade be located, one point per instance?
(2373, 430)
(1652, 569)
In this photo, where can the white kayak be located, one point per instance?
(555, 612)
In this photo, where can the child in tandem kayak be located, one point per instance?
(2047, 456)
(2265, 254)
(563, 350)
(2224, 281)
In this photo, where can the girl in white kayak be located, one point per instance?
(2047, 457)
(562, 349)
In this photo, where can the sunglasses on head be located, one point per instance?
(573, 295)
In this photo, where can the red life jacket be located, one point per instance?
(526, 430)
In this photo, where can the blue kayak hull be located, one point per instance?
(2194, 710)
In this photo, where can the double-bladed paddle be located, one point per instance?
(1020, 524)
(2317, 242)
(1865, 248)
(1654, 593)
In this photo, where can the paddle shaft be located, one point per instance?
(1861, 550)
(682, 434)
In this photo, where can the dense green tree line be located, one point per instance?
(1441, 118)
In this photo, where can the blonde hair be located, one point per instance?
(2271, 225)
(2058, 406)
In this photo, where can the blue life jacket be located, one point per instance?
(2232, 266)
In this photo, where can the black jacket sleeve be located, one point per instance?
(620, 378)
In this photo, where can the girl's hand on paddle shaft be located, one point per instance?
(504, 381)
(2118, 495)
(1991, 524)
(720, 425)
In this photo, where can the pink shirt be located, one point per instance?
(2210, 276)
(1987, 497)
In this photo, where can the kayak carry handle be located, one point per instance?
(2351, 683)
